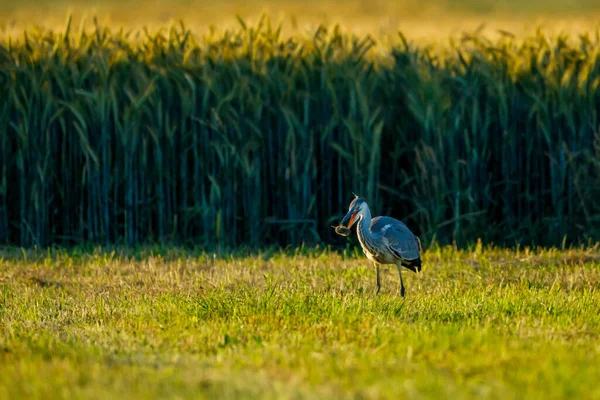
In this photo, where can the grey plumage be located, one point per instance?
(399, 240)
(384, 240)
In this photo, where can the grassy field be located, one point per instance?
(174, 324)
(169, 323)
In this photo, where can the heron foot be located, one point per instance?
(402, 291)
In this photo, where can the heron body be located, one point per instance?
(384, 240)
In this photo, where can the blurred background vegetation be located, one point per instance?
(427, 20)
(244, 134)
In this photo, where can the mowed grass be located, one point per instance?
(184, 324)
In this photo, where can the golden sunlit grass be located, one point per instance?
(170, 323)
(421, 21)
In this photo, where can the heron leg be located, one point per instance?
(378, 278)
(401, 282)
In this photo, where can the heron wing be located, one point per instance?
(399, 240)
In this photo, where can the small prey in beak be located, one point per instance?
(343, 228)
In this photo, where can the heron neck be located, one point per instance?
(365, 222)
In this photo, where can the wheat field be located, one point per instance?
(425, 22)
(244, 136)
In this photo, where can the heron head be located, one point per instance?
(354, 211)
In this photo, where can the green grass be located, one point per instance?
(174, 324)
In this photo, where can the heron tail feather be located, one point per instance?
(413, 265)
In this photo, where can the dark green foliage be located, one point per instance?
(250, 138)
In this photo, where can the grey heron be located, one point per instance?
(384, 240)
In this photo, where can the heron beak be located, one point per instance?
(349, 219)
